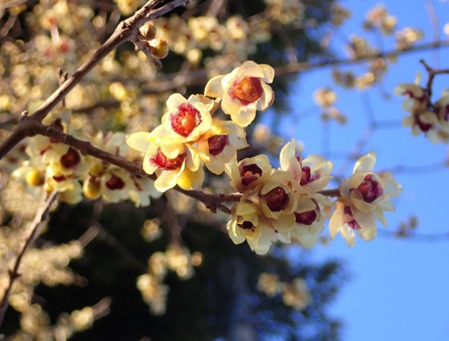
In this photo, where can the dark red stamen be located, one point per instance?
(306, 218)
(276, 199)
(217, 143)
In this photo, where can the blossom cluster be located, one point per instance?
(295, 294)
(54, 166)
(190, 137)
(425, 116)
(282, 204)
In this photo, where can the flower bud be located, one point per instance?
(148, 31)
(159, 48)
(35, 177)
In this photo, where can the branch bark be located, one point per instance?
(39, 220)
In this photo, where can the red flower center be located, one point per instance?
(248, 90)
(187, 119)
(115, 183)
(425, 127)
(71, 159)
(165, 163)
(217, 143)
(307, 177)
(306, 218)
(250, 173)
(246, 225)
(276, 199)
(352, 223)
(370, 189)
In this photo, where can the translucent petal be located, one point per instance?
(214, 87)
(138, 141)
(365, 163)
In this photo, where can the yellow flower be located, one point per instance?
(219, 145)
(243, 91)
(364, 197)
(246, 225)
(186, 119)
(312, 174)
(181, 168)
(309, 222)
(249, 173)
(347, 219)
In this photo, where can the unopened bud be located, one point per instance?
(35, 177)
(159, 48)
(148, 31)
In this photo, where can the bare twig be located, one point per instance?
(36, 224)
(431, 72)
(435, 26)
(124, 252)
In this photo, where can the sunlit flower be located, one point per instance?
(246, 225)
(309, 221)
(243, 91)
(183, 169)
(219, 145)
(186, 119)
(312, 173)
(249, 172)
(347, 219)
(416, 99)
(364, 197)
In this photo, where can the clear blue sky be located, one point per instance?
(399, 289)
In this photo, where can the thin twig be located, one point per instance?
(124, 252)
(36, 224)
(431, 73)
(435, 27)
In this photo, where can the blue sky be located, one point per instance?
(398, 288)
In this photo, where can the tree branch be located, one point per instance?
(431, 75)
(37, 223)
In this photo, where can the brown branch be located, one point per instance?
(126, 30)
(431, 75)
(415, 237)
(331, 192)
(36, 224)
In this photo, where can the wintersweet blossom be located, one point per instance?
(347, 219)
(219, 145)
(265, 214)
(364, 197)
(246, 224)
(183, 169)
(309, 221)
(249, 172)
(421, 119)
(312, 173)
(243, 91)
(187, 119)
